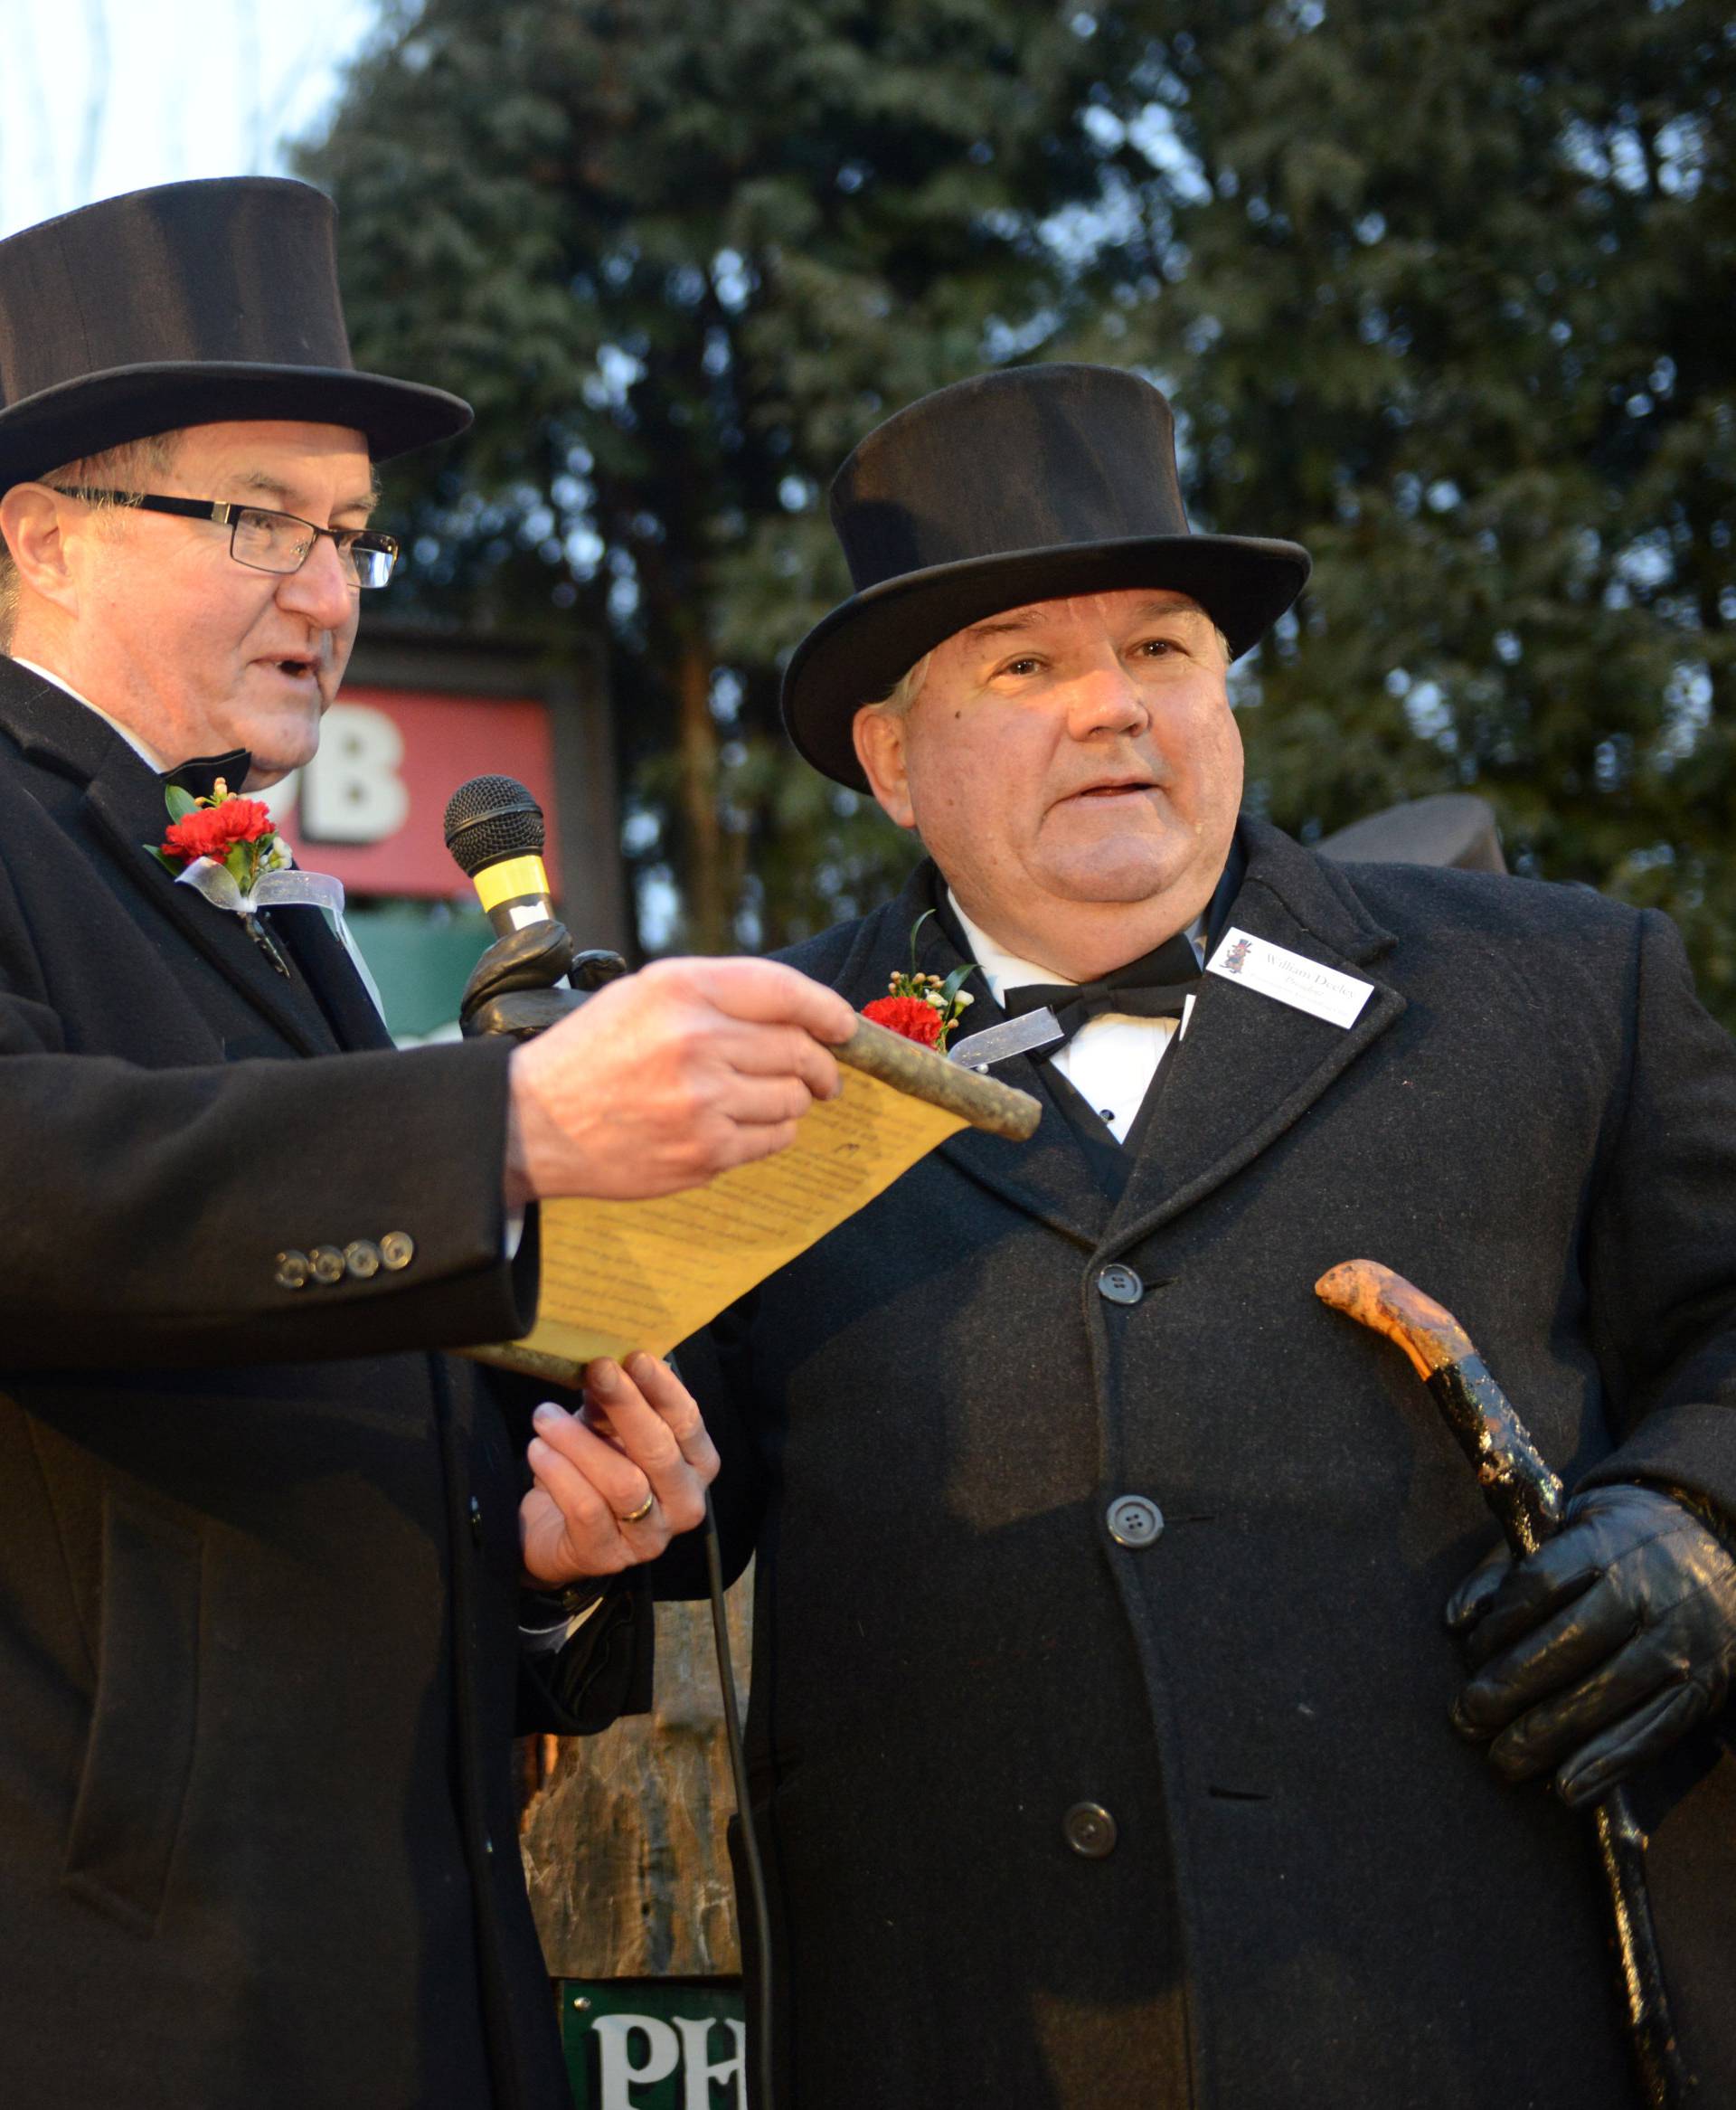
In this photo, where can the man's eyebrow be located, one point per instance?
(268, 486)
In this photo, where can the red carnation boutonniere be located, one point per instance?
(921, 1007)
(234, 832)
(224, 845)
(227, 849)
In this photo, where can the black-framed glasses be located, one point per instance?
(270, 542)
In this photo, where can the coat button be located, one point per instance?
(1119, 1284)
(397, 1249)
(1134, 1521)
(362, 1257)
(327, 1263)
(1090, 1830)
(293, 1271)
(475, 1519)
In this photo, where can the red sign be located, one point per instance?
(369, 807)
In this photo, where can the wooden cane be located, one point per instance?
(1528, 1501)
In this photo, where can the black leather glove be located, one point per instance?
(1595, 1653)
(510, 988)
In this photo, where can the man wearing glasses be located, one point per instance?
(263, 1556)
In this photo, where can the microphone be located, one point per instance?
(495, 831)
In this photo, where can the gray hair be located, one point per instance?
(905, 690)
(132, 464)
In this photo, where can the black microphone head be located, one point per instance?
(490, 818)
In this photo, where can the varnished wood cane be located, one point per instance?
(1527, 1499)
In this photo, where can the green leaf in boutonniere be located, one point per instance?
(921, 1007)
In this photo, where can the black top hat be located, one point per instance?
(1031, 484)
(187, 305)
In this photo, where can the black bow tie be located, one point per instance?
(1154, 986)
(199, 779)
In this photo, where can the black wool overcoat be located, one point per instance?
(1316, 1896)
(258, 1551)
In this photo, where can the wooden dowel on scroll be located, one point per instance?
(984, 1102)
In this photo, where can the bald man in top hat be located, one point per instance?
(263, 1559)
(1100, 1699)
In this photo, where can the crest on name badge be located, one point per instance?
(1232, 960)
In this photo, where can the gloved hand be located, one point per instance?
(510, 988)
(1595, 1653)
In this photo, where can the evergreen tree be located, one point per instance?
(681, 260)
(1439, 289)
(1451, 303)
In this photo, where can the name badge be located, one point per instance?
(1258, 964)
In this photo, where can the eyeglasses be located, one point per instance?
(271, 542)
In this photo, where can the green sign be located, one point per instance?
(655, 2043)
(420, 954)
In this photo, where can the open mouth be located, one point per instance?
(1129, 788)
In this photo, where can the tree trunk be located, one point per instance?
(708, 901)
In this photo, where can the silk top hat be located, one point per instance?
(1033, 483)
(188, 304)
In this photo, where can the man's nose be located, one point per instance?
(1106, 698)
(320, 590)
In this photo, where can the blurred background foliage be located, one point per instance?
(1441, 289)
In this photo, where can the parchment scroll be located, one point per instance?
(621, 1275)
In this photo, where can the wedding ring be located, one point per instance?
(639, 1514)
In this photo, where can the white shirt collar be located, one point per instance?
(1004, 969)
(138, 747)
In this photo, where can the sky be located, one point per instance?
(103, 95)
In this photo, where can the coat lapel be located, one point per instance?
(331, 975)
(124, 803)
(1050, 1177)
(1251, 1067)
(120, 799)
(1249, 1070)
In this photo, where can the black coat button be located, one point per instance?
(327, 1263)
(1134, 1521)
(1119, 1284)
(293, 1271)
(1090, 1830)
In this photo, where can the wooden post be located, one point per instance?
(624, 1842)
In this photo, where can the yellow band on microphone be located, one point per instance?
(511, 880)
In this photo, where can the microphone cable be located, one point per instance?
(749, 1844)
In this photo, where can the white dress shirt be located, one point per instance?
(1111, 1060)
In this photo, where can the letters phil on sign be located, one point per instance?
(638, 2052)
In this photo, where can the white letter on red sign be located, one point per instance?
(662, 2051)
(351, 792)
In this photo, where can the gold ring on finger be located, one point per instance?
(639, 1514)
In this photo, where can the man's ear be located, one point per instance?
(31, 519)
(879, 737)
